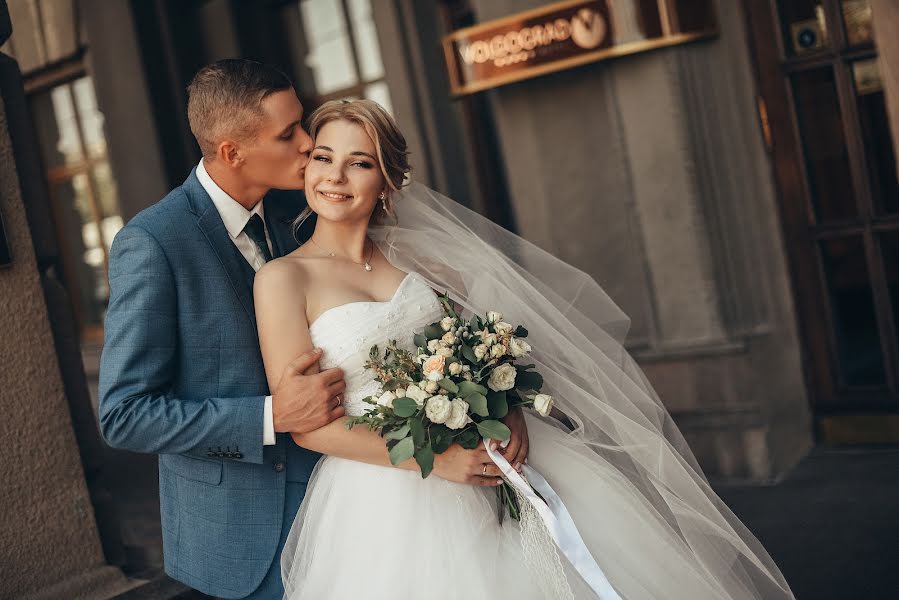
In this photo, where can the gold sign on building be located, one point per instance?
(566, 34)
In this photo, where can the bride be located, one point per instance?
(366, 529)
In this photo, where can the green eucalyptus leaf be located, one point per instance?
(494, 430)
(433, 331)
(398, 434)
(404, 407)
(402, 451)
(418, 432)
(440, 439)
(469, 439)
(466, 388)
(425, 459)
(497, 404)
(447, 384)
(521, 332)
(478, 404)
(420, 340)
(528, 380)
(468, 353)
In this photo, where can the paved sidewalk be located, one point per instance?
(832, 525)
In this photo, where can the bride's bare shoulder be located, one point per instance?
(285, 273)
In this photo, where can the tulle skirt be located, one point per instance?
(369, 532)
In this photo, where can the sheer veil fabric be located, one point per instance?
(624, 471)
(577, 333)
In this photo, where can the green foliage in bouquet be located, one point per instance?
(454, 387)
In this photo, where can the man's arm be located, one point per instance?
(137, 410)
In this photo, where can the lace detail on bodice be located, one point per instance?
(347, 332)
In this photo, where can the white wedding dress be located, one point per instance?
(367, 532)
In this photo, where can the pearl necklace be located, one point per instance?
(366, 265)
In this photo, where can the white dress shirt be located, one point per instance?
(235, 217)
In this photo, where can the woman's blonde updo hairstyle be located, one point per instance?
(393, 153)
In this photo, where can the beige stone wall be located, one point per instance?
(649, 173)
(47, 531)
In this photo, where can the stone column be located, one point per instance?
(50, 546)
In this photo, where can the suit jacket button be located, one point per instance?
(238, 455)
(279, 467)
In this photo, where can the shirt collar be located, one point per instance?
(234, 215)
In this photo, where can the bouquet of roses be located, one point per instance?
(461, 379)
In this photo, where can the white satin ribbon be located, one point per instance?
(558, 522)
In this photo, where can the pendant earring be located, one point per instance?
(383, 198)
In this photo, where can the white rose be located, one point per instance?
(455, 368)
(489, 339)
(449, 338)
(480, 351)
(431, 387)
(518, 347)
(494, 316)
(444, 352)
(433, 345)
(386, 399)
(543, 404)
(503, 328)
(498, 350)
(458, 414)
(446, 323)
(400, 392)
(502, 378)
(417, 394)
(438, 409)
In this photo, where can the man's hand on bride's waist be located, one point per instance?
(516, 451)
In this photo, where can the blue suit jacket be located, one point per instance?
(182, 376)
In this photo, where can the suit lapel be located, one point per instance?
(210, 223)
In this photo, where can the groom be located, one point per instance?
(181, 373)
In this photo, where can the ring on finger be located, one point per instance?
(339, 400)
(484, 473)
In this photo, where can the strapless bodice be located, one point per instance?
(347, 332)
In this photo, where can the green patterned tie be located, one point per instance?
(255, 229)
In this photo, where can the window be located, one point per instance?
(83, 195)
(342, 56)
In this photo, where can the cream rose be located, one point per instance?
(518, 347)
(433, 345)
(480, 351)
(498, 350)
(431, 387)
(543, 404)
(444, 352)
(438, 409)
(455, 368)
(494, 316)
(489, 339)
(458, 414)
(417, 394)
(502, 378)
(446, 323)
(386, 399)
(503, 328)
(449, 338)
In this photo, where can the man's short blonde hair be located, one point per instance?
(225, 100)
